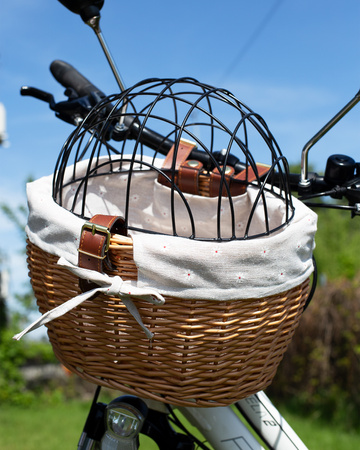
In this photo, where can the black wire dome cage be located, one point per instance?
(161, 151)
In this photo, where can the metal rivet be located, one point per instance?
(193, 163)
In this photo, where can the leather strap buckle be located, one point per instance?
(95, 240)
(96, 228)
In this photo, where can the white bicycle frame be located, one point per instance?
(224, 430)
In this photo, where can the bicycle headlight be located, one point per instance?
(124, 418)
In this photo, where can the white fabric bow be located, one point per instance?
(111, 286)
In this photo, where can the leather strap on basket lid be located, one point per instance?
(236, 182)
(186, 171)
(188, 174)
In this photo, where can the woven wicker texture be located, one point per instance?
(204, 353)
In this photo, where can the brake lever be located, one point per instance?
(28, 91)
(72, 111)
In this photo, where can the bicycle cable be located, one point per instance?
(176, 421)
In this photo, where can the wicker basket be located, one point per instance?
(204, 353)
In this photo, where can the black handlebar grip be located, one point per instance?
(69, 77)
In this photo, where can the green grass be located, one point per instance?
(58, 427)
(55, 427)
(319, 435)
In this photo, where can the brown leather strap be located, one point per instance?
(215, 181)
(237, 183)
(261, 169)
(188, 176)
(95, 240)
(183, 151)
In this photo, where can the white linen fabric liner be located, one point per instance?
(174, 265)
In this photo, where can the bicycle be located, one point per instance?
(218, 175)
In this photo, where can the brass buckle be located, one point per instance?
(95, 228)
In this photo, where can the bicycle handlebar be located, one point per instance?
(70, 78)
(84, 95)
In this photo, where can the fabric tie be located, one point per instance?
(111, 286)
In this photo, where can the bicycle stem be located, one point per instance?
(304, 181)
(94, 23)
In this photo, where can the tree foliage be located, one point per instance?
(337, 244)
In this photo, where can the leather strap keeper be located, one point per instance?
(188, 176)
(215, 181)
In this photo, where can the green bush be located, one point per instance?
(320, 372)
(337, 244)
(14, 355)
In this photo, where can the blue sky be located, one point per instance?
(294, 62)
